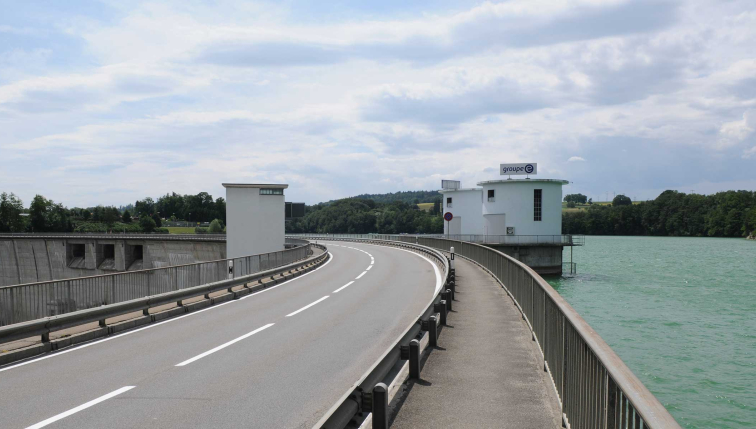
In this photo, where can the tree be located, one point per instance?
(147, 224)
(126, 218)
(576, 198)
(11, 208)
(571, 205)
(38, 213)
(216, 227)
(110, 215)
(621, 200)
(436, 207)
(590, 201)
(157, 220)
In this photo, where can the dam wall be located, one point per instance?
(29, 259)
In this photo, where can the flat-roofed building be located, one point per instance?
(254, 218)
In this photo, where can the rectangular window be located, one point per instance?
(537, 205)
(491, 196)
(448, 202)
(271, 191)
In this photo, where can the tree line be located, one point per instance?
(146, 215)
(672, 213)
(364, 216)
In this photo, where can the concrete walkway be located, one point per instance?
(487, 372)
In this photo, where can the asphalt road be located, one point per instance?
(279, 358)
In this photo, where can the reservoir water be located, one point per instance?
(681, 313)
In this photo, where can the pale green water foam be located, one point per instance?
(681, 313)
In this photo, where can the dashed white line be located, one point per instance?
(307, 306)
(363, 273)
(223, 346)
(80, 407)
(343, 287)
(369, 267)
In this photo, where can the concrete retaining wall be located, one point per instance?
(545, 260)
(29, 260)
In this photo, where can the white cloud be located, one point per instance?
(182, 96)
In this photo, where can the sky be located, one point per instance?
(107, 102)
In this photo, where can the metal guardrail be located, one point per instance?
(368, 394)
(30, 301)
(531, 240)
(113, 236)
(46, 325)
(595, 387)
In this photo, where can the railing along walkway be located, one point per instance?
(487, 369)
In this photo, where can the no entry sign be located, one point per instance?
(448, 216)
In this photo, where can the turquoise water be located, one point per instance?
(681, 313)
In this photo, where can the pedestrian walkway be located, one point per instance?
(487, 372)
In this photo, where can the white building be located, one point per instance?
(254, 218)
(506, 207)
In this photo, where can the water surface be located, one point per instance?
(681, 313)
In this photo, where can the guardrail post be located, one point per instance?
(442, 310)
(449, 299)
(380, 406)
(414, 359)
(433, 331)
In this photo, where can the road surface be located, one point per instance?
(279, 358)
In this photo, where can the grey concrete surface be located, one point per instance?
(286, 376)
(29, 260)
(487, 372)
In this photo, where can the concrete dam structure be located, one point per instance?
(36, 258)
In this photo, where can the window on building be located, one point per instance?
(271, 191)
(491, 196)
(448, 201)
(537, 193)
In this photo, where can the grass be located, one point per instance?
(180, 229)
(426, 206)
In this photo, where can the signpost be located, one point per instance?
(518, 169)
(448, 216)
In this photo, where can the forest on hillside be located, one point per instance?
(363, 216)
(672, 213)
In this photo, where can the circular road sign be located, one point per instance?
(448, 216)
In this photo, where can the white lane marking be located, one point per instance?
(287, 281)
(363, 273)
(81, 407)
(307, 306)
(223, 346)
(369, 267)
(343, 287)
(85, 345)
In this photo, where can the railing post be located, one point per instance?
(449, 299)
(380, 406)
(414, 359)
(433, 331)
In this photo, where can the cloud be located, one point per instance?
(732, 133)
(181, 96)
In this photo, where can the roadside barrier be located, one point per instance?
(31, 301)
(365, 404)
(44, 326)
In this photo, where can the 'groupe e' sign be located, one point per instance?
(515, 169)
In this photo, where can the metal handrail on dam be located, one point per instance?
(30, 301)
(595, 387)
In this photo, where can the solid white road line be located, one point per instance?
(343, 287)
(223, 346)
(307, 306)
(85, 345)
(81, 407)
(369, 267)
(363, 273)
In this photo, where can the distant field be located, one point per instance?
(579, 207)
(426, 206)
(181, 229)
